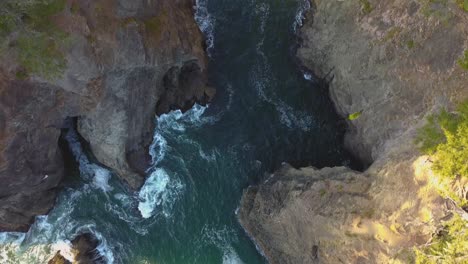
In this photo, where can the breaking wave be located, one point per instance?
(206, 23)
(304, 6)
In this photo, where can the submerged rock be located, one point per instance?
(395, 63)
(124, 62)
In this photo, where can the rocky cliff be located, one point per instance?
(393, 62)
(114, 64)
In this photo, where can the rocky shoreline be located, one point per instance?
(125, 62)
(393, 62)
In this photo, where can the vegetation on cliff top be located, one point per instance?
(463, 4)
(445, 138)
(449, 245)
(38, 41)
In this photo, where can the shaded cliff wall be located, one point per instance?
(125, 62)
(396, 61)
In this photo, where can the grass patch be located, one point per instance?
(41, 55)
(38, 14)
(450, 245)
(463, 61)
(39, 41)
(366, 7)
(410, 44)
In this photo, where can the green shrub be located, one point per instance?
(354, 116)
(463, 4)
(366, 7)
(410, 44)
(448, 246)
(463, 61)
(7, 23)
(445, 136)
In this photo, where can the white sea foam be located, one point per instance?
(65, 248)
(158, 148)
(206, 23)
(101, 179)
(231, 257)
(304, 6)
(158, 190)
(208, 157)
(104, 248)
(161, 190)
(98, 175)
(222, 239)
(178, 121)
(47, 236)
(262, 11)
(231, 96)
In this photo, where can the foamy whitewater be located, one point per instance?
(162, 188)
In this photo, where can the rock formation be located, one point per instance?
(124, 62)
(396, 61)
(84, 250)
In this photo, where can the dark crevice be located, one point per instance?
(178, 83)
(323, 83)
(71, 166)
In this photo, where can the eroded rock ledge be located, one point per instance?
(126, 61)
(396, 63)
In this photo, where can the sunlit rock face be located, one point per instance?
(126, 61)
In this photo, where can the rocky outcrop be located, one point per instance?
(396, 61)
(84, 251)
(126, 61)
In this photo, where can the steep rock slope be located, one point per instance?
(394, 62)
(116, 65)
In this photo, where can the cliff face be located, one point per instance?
(396, 61)
(392, 60)
(125, 62)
